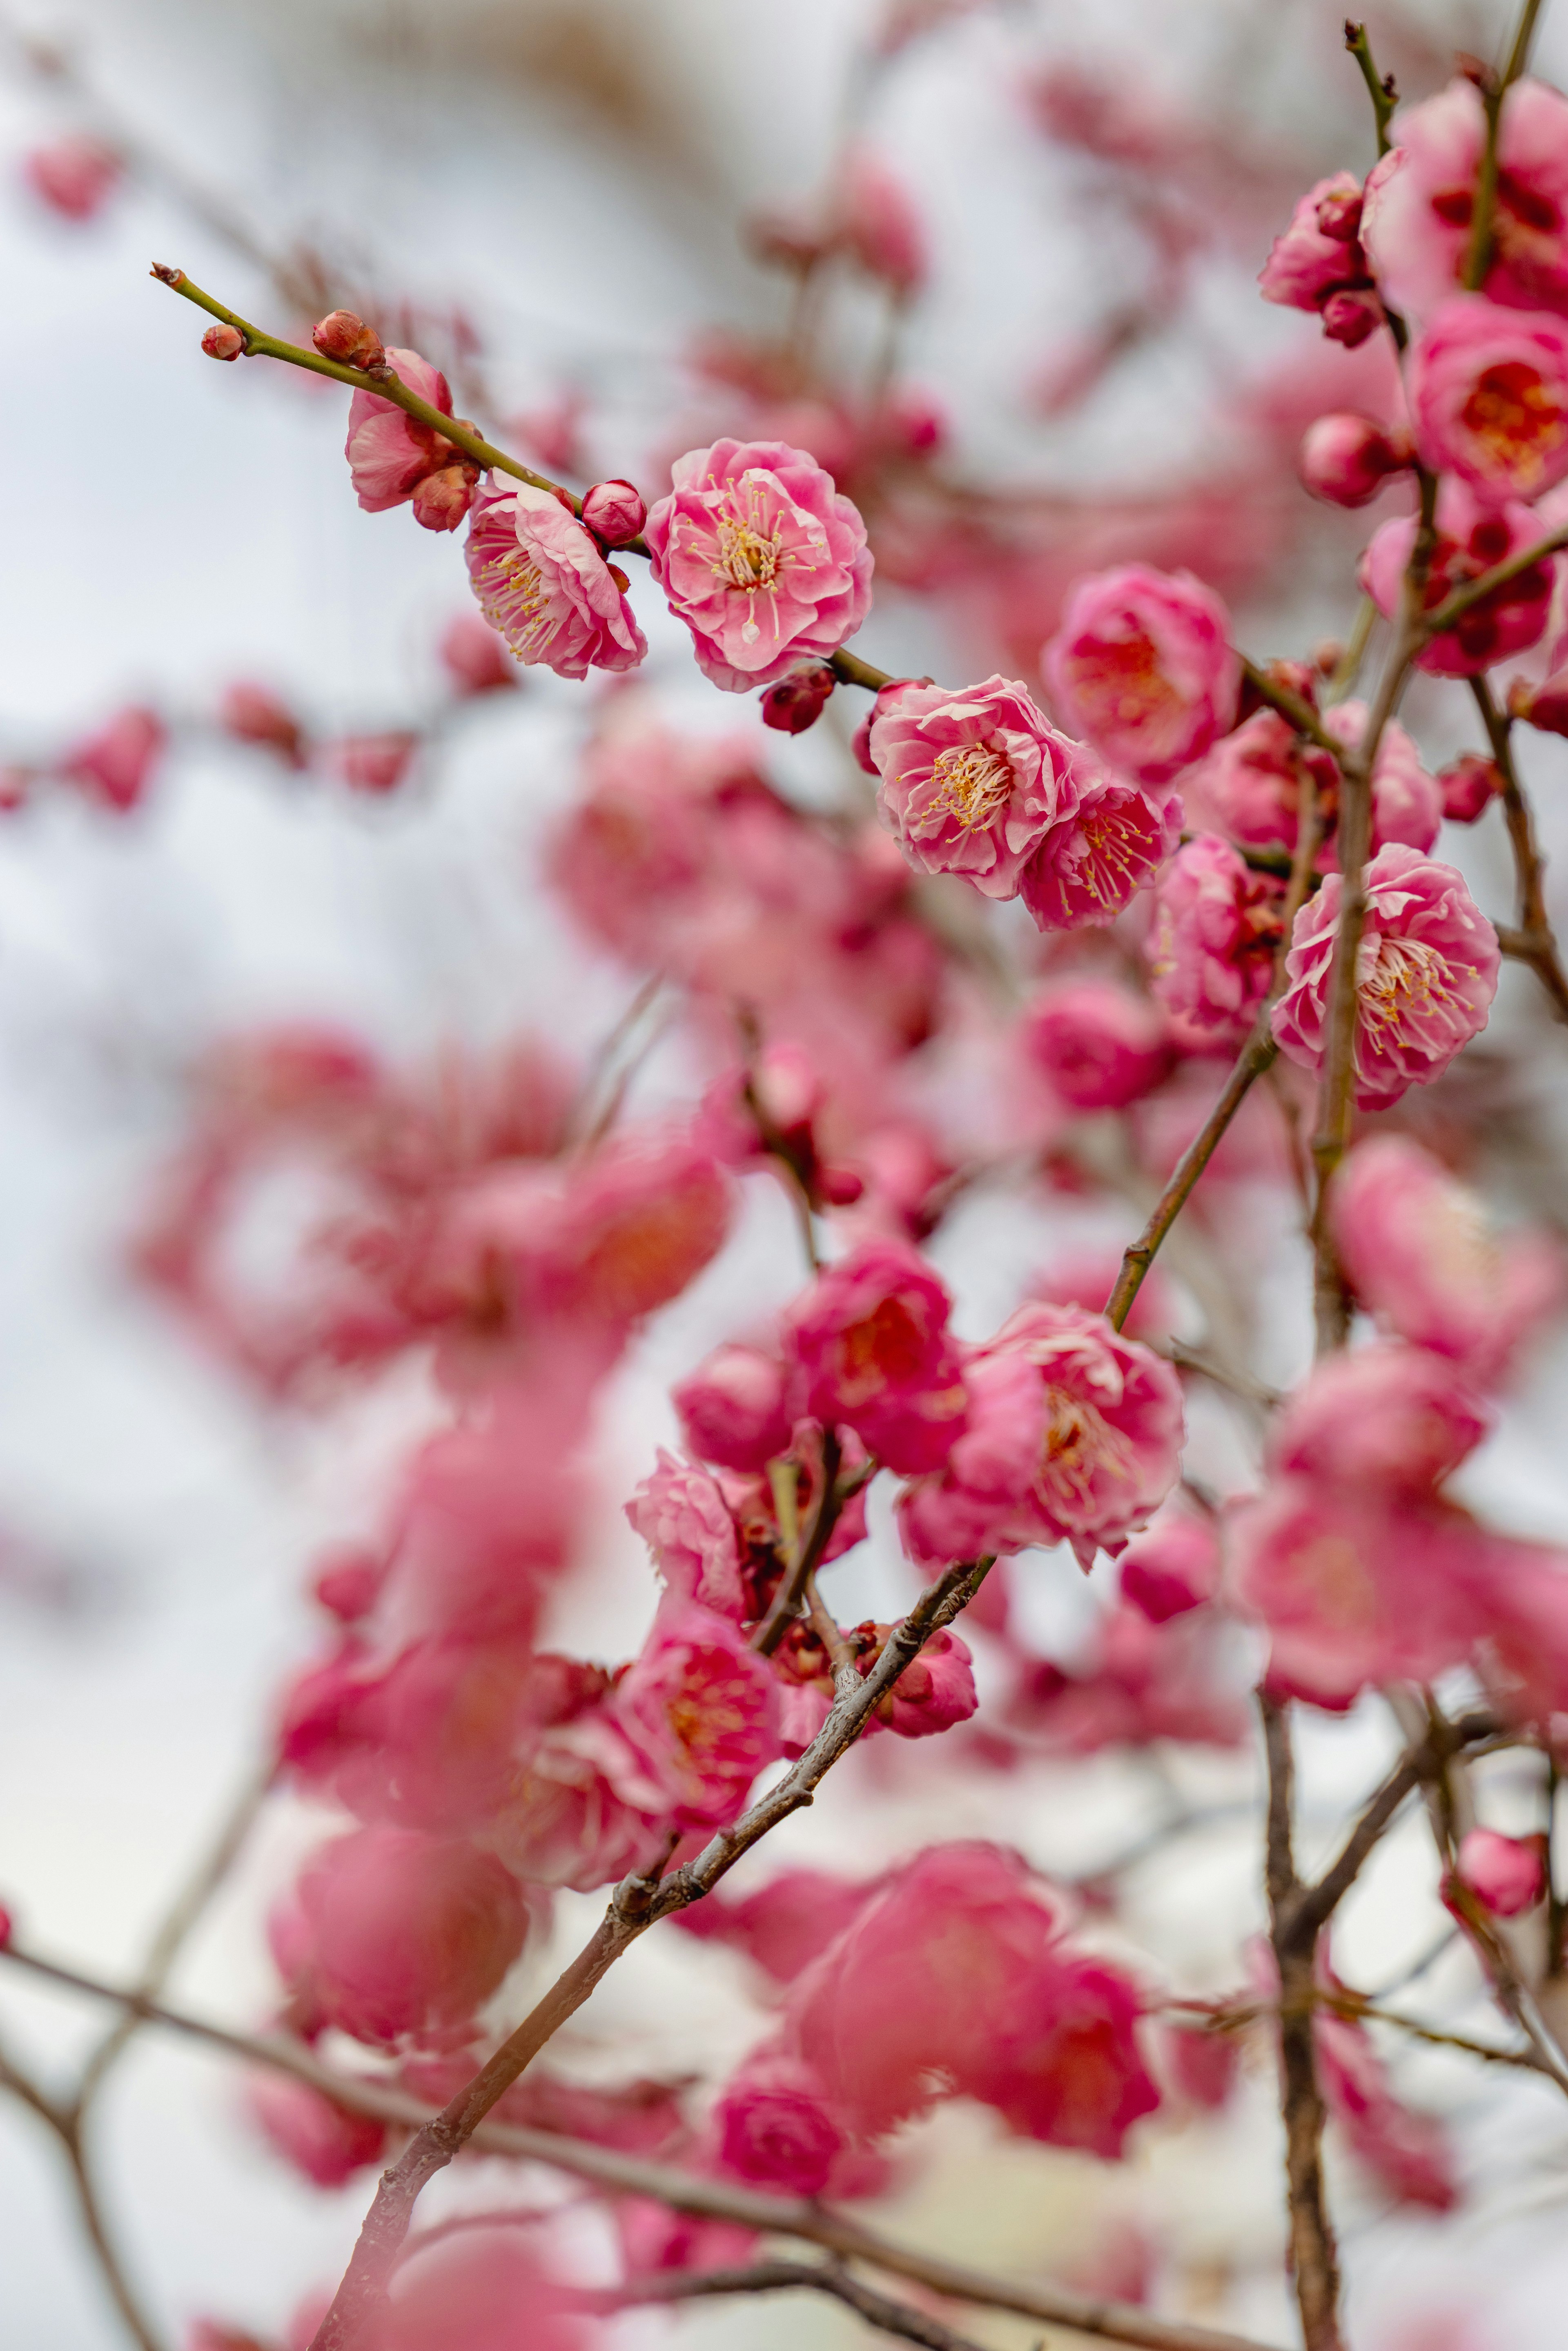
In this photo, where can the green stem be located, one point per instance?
(1380, 88)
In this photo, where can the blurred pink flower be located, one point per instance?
(1472, 538)
(1319, 254)
(1389, 1418)
(774, 2126)
(116, 765)
(543, 585)
(874, 1353)
(785, 1923)
(1142, 667)
(760, 558)
(254, 714)
(327, 2142)
(480, 2290)
(474, 658)
(1420, 200)
(699, 1710)
(1408, 2153)
(1217, 925)
(873, 217)
(374, 763)
(732, 1408)
(1173, 1567)
(1415, 1248)
(1489, 395)
(970, 782)
(74, 175)
(1426, 975)
(1092, 863)
(1099, 1046)
(1507, 1874)
(682, 1516)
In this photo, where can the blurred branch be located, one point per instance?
(1381, 89)
(878, 2310)
(1494, 90)
(1533, 941)
(618, 2173)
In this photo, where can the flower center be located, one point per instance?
(887, 1347)
(1104, 858)
(1405, 981)
(973, 782)
(515, 599)
(1514, 414)
(1080, 1446)
(1121, 680)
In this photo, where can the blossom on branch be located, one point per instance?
(971, 782)
(393, 458)
(874, 1355)
(1489, 395)
(544, 586)
(1471, 539)
(1092, 864)
(1418, 219)
(1217, 925)
(1142, 667)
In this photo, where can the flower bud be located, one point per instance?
(74, 176)
(796, 701)
(221, 342)
(1351, 315)
(1543, 706)
(374, 763)
(1339, 214)
(251, 714)
(614, 512)
(1469, 785)
(1505, 1873)
(342, 336)
(474, 658)
(1346, 460)
(442, 500)
(348, 1582)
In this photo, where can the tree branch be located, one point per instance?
(878, 2310)
(1533, 941)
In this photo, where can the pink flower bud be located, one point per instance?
(342, 336)
(1542, 707)
(1339, 213)
(442, 500)
(733, 1408)
(1173, 1568)
(798, 701)
(1472, 783)
(223, 342)
(74, 176)
(115, 766)
(348, 1581)
(474, 658)
(374, 763)
(1346, 460)
(252, 714)
(1505, 1873)
(614, 512)
(1351, 315)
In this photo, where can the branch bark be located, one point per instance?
(1533, 941)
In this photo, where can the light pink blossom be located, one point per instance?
(1388, 1419)
(1472, 538)
(774, 2126)
(733, 1408)
(392, 457)
(1142, 668)
(1173, 1568)
(1420, 200)
(544, 586)
(1319, 254)
(474, 658)
(1075, 1434)
(1507, 1873)
(971, 782)
(682, 1516)
(1489, 397)
(874, 1355)
(325, 2141)
(761, 558)
(1100, 1046)
(74, 175)
(1092, 863)
(1414, 1245)
(1217, 925)
(1425, 976)
(699, 1711)
(873, 218)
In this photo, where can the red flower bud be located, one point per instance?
(223, 342)
(442, 500)
(614, 512)
(796, 701)
(342, 336)
(1339, 214)
(1346, 460)
(1351, 315)
(1544, 706)
(251, 714)
(1470, 787)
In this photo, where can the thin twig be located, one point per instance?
(878, 2310)
(1381, 89)
(1534, 941)
(1479, 256)
(786, 1603)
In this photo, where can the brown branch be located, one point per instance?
(1477, 259)
(850, 670)
(634, 1906)
(786, 1603)
(1421, 1761)
(1533, 941)
(1443, 616)
(878, 2310)
(709, 2199)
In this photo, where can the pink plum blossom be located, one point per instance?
(1092, 864)
(785, 1924)
(971, 782)
(1142, 1683)
(325, 2141)
(1318, 259)
(1142, 668)
(483, 2289)
(935, 1689)
(873, 1352)
(1420, 200)
(1216, 925)
(614, 512)
(393, 456)
(1406, 801)
(1099, 1046)
(682, 1516)
(1472, 538)
(873, 217)
(74, 175)
(543, 585)
(1388, 1418)
(733, 1408)
(1507, 1874)
(775, 2128)
(1041, 2032)
(1414, 1246)
(1425, 976)
(1346, 460)
(761, 558)
(1075, 1434)
(116, 765)
(699, 1711)
(1173, 1567)
(391, 1936)
(1250, 787)
(1470, 785)
(474, 658)
(1408, 2153)
(1489, 396)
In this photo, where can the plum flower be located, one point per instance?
(1489, 394)
(682, 1516)
(1472, 538)
(1093, 862)
(1420, 200)
(1317, 263)
(774, 2127)
(1425, 976)
(1075, 1434)
(544, 586)
(699, 1712)
(874, 1353)
(1100, 1046)
(760, 558)
(393, 458)
(1216, 927)
(971, 782)
(1142, 667)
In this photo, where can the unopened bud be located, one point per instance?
(1346, 459)
(1339, 214)
(374, 763)
(840, 1187)
(1544, 706)
(1351, 315)
(1469, 788)
(621, 579)
(342, 336)
(614, 512)
(253, 714)
(443, 499)
(798, 700)
(222, 342)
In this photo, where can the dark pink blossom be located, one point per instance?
(699, 1712)
(935, 1689)
(775, 2128)
(1470, 785)
(786, 1924)
(760, 558)
(874, 1355)
(1408, 2153)
(1075, 1434)
(682, 1516)
(1319, 254)
(1489, 397)
(1389, 1418)
(971, 782)
(1092, 864)
(325, 2141)
(614, 512)
(1472, 538)
(116, 765)
(1507, 1874)
(1415, 1248)
(1426, 975)
(1142, 667)
(543, 585)
(1420, 200)
(733, 1408)
(1171, 1568)
(1216, 925)
(1346, 459)
(74, 175)
(1100, 1046)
